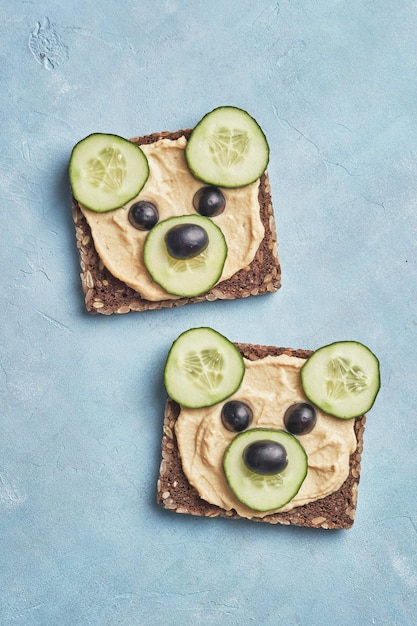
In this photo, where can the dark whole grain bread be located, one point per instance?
(336, 511)
(106, 294)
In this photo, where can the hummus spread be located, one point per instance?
(270, 386)
(171, 187)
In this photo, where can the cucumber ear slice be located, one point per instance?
(202, 368)
(227, 148)
(342, 379)
(107, 171)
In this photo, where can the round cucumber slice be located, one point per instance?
(227, 148)
(106, 171)
(185, 277)
(342, 379)
(202, 368)
(265, 492)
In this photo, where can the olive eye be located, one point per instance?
(300, 418)
(236, 416)
(143, 215)
(209, 201)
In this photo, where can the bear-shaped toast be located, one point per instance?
(265, 433)
(181, 232)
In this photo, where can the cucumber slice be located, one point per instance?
(202, 368)
(106, 171)
(227, 148)
(185, 277)
(342, 379)
(265, 492)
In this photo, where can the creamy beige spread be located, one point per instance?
(171, 188)
(270, 386)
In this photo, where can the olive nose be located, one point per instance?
(185, 241)
(265, 457)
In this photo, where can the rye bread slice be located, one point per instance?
(335, 511)
(106, 294)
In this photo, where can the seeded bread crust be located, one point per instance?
(106, 294)
(336, 511)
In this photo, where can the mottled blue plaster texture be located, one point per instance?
(334, 85)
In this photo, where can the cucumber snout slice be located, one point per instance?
(185, 277)
(263, 491)
(342, 379)
(106, 171)
(202, 368)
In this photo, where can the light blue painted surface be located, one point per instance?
(334, 85)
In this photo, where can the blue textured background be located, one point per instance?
(334, 85)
